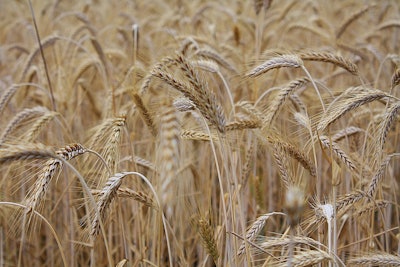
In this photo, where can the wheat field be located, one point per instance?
(199, 133)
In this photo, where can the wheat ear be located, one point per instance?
(106, 195)
(338, 152)
(206, 100)
(42, 183)
(205, 103)
(353, 17)
(169, 146)
(281, 98)
(378, 177)
(148, 119)
(388, 118)
(307, 258)
(255, 229)
(282, 61)
(336, 111)
(396, 78)
(330, 58)
(378, 259)
(209, 241)
(22, 116)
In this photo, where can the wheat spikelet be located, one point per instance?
(214, 56)
(346, 132)
(20, 153)
(49, 41)
(388, 24)
(242, 124)
(187, 44)
(297, 154)
(206, 65)
(207, 236)
(106, 139)
(196, 135)
(6, 96)
(246, 166)
(349, 199)
(280, 99)
(148, 119)
(169, 146)
(24, 115)
(281, 161)
(396, 78)
(273, 242)
(204, 100)
(107, 194)
(138, 196)
(282, 61)
(379, 204)
(165, 63)
(336, 111)
(377, 259)
(330, 58)
(307, 258)
(350, 20)
(42, 183)
(377, 177)
(298, 103)
(254, 230)
(251, 110)
(338, 152)
(207, 101)
(387, 120)
(85, 65)
(183, 104)
(39, 124)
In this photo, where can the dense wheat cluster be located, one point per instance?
(199, 133)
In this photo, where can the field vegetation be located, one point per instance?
(199, 133)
